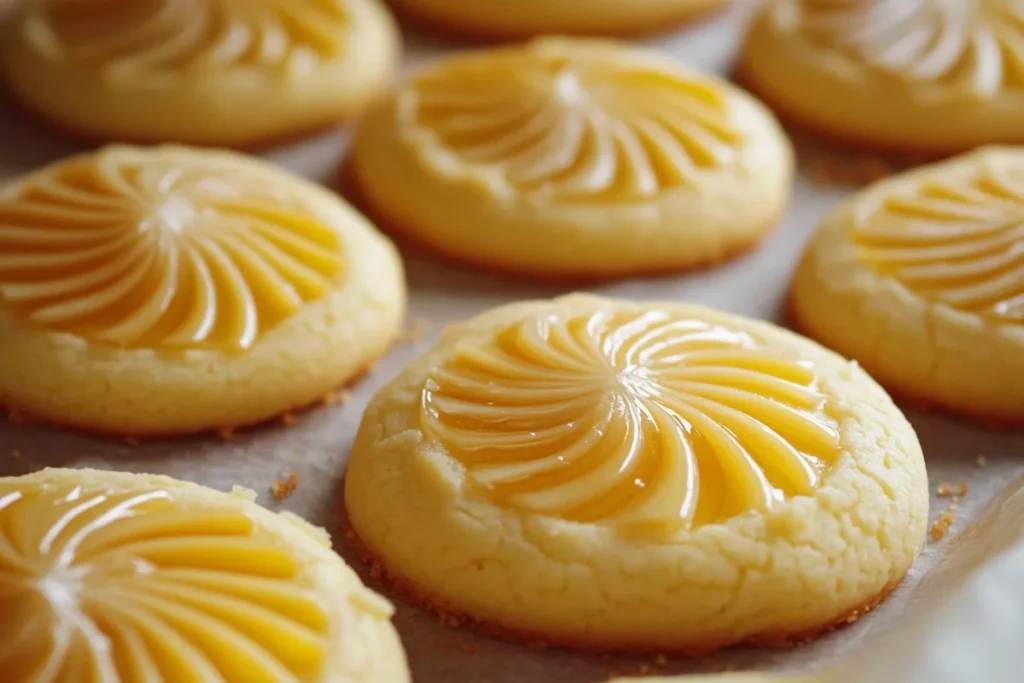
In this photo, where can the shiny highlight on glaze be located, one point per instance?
(631, 418)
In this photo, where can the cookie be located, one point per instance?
(108, 576)
(920, 278)
(572, 159)
(526, 18)
(171, 290)
(613, 475)
(210, 72)
(929, 76)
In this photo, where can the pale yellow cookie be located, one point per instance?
(169, 290)
(572, 159)
(524, 18)
(908, 75)
(637, 476)
(921, 279)
(111, 577)
(212, 72)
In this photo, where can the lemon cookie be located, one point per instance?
(572, 159)
(921, 76)
(533, 17)
(921, 279)
(170, 290)
(212, 72)
(123, 578)
(617, 475)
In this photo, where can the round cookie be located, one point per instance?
(930, 76)
(572, 159)
(170, 290)
(210, 72)
(526, 18)
(635, 476)
(115, 577)
(921, 279)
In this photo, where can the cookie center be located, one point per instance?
(176, 214)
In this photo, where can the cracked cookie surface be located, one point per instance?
(623, 476)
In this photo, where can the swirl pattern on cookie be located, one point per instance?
(977, 45)
(631, 417)
(957, 239)
(189, 36)
(163, 249)
(571, 122)
(116, 587)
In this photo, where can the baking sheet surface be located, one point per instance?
(316, 446)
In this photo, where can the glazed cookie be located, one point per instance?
(211, 72)
(526, 18)
(572, 159)
(921, 279)
(124, 578)
(169, 290)
(624, 476)
(933, 76)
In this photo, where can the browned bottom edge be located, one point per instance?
(349, 187)
(454, 618)
(19, 415)
(467, 32)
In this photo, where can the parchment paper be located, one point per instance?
(316, 447)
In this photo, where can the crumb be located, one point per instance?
(226, 433)
(282, 488)
(15, 453)
(947, 518)
(339, 397)
(661, 660)
(944, 490)
(953, 507)
(961, 489)
(981, 461)
(289, 419)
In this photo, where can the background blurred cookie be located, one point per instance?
(920, 278)
(572, 159)
(524, 18)
(932, 76)
(212, 72)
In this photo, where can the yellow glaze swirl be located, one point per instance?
(108, 587)
(975, 45)
(631, 417)
(162, 248)
(131, 37)
(571, 120)
(956, 239)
